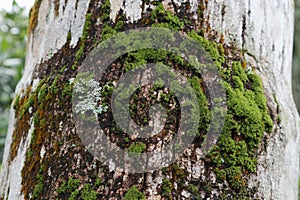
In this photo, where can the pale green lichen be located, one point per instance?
(134, 194)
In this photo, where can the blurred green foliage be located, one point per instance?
(13, 34)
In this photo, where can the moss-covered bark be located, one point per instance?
(57, 165)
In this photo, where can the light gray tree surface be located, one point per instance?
(257, 154)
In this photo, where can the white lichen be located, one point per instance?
(88, 95)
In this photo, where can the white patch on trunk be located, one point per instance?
(50, 35)
(115, 6)
(265, 30)
(79, 21)
(42, 153)
(132, 9)
(11, 178)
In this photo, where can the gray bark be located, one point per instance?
(268, 36)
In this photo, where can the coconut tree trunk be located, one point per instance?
(252, 135)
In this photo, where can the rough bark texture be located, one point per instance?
(265, 30)
(45, 159)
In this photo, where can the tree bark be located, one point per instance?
(44, 156)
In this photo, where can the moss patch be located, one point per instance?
(38, 188)
(71, 190)
(33, 17)
(134, 194)
(166, 189)
(233, 159)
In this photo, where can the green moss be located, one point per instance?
(105, 11)
(53, 88)
(234, 177)
(166, 189)
(134, 194)
(194, 190)
(62, 188)
(213, 49)
(239, 71)
(16, 102)
(33, 19)
(107, 32)
(42, 93)
(98, 182)
(66, 93)
(63, 69)
(136, 148)
(71, 186)
(166, 19)
(74, 195)
(28, 102)
(247, 118)
(88, 193)
(38, 189)
(29, 153)
(203, 105)
(237, 83)
(107, 89)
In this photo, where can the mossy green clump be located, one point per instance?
(38, 189)
(246, 121)
(107, 32)
(16, 102)
(166, 189)
(72, 188)
(204, 114)
(24, 108)
(98, 182)
(134, 194)
(42, 93)
(194, 190)
(166, 19)
(74, 195)
(136, 148)
(87, 193)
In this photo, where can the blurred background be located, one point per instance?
(13, 32)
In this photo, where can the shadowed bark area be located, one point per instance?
(256, 154)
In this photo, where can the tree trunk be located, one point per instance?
(255, 156)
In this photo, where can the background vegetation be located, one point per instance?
(13, 31)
